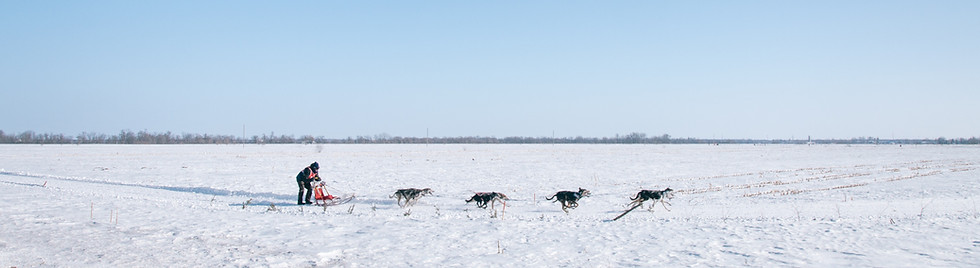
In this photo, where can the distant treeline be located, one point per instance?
(145, 137)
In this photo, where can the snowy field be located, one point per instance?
(735, 205)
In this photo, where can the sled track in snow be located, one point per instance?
(197, 190)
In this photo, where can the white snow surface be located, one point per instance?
(735, 205)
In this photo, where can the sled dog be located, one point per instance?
(483, 198)
(657, 197)
(569, 199)
(411, 195)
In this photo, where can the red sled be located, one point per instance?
(321, 194)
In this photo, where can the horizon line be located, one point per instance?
(128, 136)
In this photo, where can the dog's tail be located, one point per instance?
(636, 197)
(471, 199)
(552, 197)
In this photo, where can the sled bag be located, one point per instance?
(318, 193)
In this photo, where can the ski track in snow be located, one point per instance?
(735, 205)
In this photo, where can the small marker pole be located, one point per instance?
(502, 213)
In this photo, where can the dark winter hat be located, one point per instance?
(315, 166)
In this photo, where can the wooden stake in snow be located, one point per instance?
(628, 211)
(502, 214)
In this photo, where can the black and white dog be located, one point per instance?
(569, 199)
(657, 197)
(483, 198)
(411, 195)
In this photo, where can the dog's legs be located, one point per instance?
(495, 200)
(637, 202)
(662, 202)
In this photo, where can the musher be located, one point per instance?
(304, 178)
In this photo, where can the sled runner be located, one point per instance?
(337, 200)
(324, 198)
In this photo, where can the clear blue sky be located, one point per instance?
(706, 69)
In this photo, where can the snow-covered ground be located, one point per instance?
(735, 205)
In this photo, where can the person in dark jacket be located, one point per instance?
(304, 178)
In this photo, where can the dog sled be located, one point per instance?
(324, 198)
